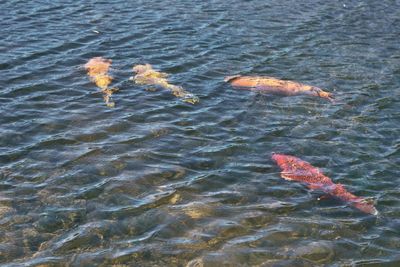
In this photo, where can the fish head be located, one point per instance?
(366, 206)
(98, 65)
(299, 170)
(285, 162)
(231, 78)
(280, 159)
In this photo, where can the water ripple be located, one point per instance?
(157, 182)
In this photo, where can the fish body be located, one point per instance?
(276, 86)
(299, 170)
(97, 69)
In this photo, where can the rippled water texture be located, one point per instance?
(156, 181)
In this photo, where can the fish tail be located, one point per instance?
(362, 204)
(316, 91)
(365, 205)
(331, 98)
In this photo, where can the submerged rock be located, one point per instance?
(316, 252)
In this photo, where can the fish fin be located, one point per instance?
(285, 175)
(323, 197)
(313, 186)
(365, 205)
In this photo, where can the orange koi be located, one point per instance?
(275, 86)
(97, 69)
(295, 169)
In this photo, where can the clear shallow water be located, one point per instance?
(155, 181)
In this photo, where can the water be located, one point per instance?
(159, 182)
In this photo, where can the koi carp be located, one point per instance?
(145, 74)
(97, 70)
(295, 169)
(275, 86)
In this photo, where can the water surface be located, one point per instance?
(159, 182)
